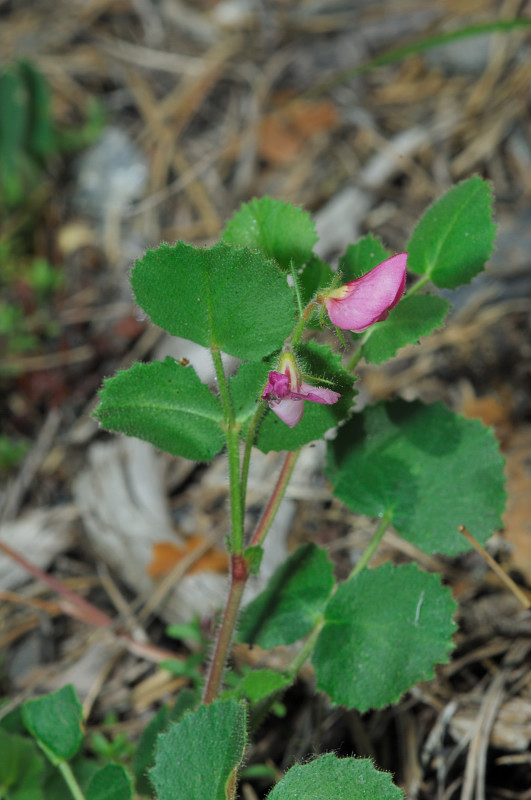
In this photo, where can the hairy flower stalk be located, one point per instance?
(359, 304)
(286, 392)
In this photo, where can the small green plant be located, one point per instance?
(260, 295)
(29, 138)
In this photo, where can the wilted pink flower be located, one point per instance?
(359, 304)
(285, 392)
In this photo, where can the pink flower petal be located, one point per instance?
(317, 394)
(359, 304)
(288, 410)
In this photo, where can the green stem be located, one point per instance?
(373, 544)
(70, 780)
(238, 580)
(249, 441)
(274, 501)
(296, 287)
(420, 284)
(233, 455)
(295, 338)
(306, 649)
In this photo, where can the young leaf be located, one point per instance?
(412, 318)
(279, 230)
(112, 782)
(165, 404)
(221, 296)
(56, 721)
(21, 767)
(361, 257)
(332, 778)
(432, 469)
(455, 236)
(385, 630)
(292, 601)
(198, 758)
(315, 360)
(261, 683)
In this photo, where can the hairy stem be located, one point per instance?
(249, 441)
(274, 501)
(238, 580)
(373, 544)
(233, 455)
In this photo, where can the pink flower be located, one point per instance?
(359, 304)
(285, 392)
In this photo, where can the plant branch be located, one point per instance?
(373, 544)
(274, 501)
(233, 454)
(238, 580)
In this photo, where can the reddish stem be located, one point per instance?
(274, 501)
(238, 579)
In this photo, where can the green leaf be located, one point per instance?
(332, 778)
(254, 555)
(112, 782)
(40, 135)
(199, 757)
(261, 683)
(412, 318)
(292, 601)
(432, 469)
(455, 236)
(21, 767)
(56, 721)
(221, 297)
(361, 257)
(165, 404)
(313, 278)
(279, 230)
(315, 360)
(144, 757)
(385, 630)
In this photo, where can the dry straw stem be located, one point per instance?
(502, 575)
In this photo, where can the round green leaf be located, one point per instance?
(430, 468)
(412, 318)
(279, 230)
(198, 757)
(221, 296)
(385, 630)
(165, 404)
(332, 778)
(56, 721)
(292, 601)
(455, 236)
